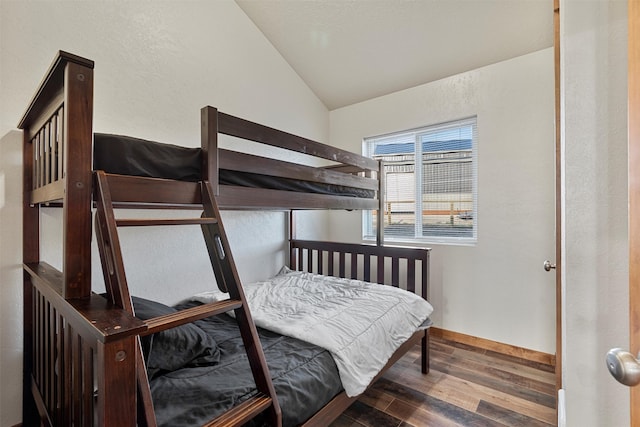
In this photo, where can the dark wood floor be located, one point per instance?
(466, 387)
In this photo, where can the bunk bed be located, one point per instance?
(84, 353)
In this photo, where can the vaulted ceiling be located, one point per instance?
(349, 51)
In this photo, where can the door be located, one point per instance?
(623, 365)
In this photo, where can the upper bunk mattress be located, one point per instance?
(126, 155)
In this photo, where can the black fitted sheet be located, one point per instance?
(305, 378)
(133, 156)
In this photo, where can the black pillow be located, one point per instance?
(182, 346)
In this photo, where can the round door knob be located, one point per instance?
(623, 366)
(548, 266)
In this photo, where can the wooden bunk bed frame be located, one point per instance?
(79, 349)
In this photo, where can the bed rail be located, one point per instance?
(345, 168)
(397, 266)
(65, 95)
(71, 348)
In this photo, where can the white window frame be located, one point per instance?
(368, 219)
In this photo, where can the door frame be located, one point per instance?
(558, 189)
(633, 115)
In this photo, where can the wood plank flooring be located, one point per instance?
(466, 386)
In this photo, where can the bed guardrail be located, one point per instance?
(72, 347)
(397, 266)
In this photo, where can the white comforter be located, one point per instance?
(360, 323)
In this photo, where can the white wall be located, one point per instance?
(157, 64)
(594, 128)
(496, 289)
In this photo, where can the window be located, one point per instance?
(435, 200)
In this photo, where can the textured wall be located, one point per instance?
(157, 64)
(497, 288)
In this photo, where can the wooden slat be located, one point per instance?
(331, 263)
(86, 374)
(29, 409)
(242, 162)
(32, 147)
(48, 193)
(137, 222)
(50, 374)
(61, 371)
(354, 266)
(320, 262)
(61, 145)
(367, 268)
(380, 277)
(54, 148)
(341, 264)
(189, 315)
(75, 379)
(395, 271)
(38, 341)
(310, 260)
(46, 131)
(41, 158)
(411, 275)
(69, 362)
(235, 197)
(245, 129)
(133, 189)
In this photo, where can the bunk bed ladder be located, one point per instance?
(228, 281)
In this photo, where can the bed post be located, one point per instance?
(293, 252)
(209, 145)
(425, 294)
(381, 202)
(30, 254)
(78, 110)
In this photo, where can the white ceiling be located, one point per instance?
(349, 51)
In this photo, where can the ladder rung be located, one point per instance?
(134, 222)
(243, 412)
(188, 315)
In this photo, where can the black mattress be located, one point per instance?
(199, 370)
(126, 155)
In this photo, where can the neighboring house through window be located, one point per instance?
(434, 200)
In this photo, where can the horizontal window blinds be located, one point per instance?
(434, 198)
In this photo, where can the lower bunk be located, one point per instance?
(305, 378)
(76, 379)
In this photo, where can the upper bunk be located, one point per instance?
(61, 152)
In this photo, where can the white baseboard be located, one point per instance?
(562, 415)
